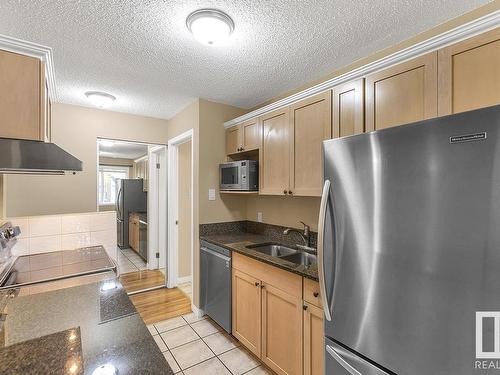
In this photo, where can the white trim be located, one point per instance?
(44, 53)
(455, 35)
(173, 208)
(157, 207)
(196, 311)
(141, 158)
(184, 279)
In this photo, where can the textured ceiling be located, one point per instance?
(141, 52)
(125, 150)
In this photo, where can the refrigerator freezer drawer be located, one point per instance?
(339, 361)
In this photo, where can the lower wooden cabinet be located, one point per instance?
(247, 310)
(133, 232)
(281, 330)
(277, 315)
(314, 358)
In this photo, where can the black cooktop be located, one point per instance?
(31, 269)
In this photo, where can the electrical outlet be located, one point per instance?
(259, 217)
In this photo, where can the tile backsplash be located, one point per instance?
(40, 234)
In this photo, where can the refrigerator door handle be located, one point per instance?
(321, 268)
(351, 370)
(117, 204)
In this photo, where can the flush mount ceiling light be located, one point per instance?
(100, 99)
(210, 26)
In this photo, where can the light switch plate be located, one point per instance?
(211, 194)
(259, 217)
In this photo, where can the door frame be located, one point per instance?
(173, 207)
(157, 206)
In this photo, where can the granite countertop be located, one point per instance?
(104, 320)
(238, 242)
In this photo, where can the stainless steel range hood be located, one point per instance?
(19, 156)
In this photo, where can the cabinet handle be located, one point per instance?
(262, 286)
(285, 192)
(257, 283)
(304, 307)
(316, 294)
(290, 192)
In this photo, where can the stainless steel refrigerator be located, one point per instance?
(409, 247)
(130, 197)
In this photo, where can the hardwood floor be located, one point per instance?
(161, 304)
(134, 281)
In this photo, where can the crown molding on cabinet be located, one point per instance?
(447, 38)
(44, 53)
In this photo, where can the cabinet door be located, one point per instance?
(313, 340)
(310, 125)
(349, 109)
(402, 94)
(469, 74)
(246, 303)
(281, 331)
(275, 153)
(250, 134)
(233, 143)
(20, 90)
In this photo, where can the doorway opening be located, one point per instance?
(132, 180)
(181, 213)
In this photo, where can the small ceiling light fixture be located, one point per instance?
(210, 26)
(100, 99)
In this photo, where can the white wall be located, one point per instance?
(76, 129)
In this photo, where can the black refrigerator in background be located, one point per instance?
(130, 197)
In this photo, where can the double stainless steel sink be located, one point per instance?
(285, 253)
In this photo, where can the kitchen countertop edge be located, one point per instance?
(240, 248)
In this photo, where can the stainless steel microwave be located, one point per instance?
(240, 175)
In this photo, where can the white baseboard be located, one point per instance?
(197, 312)
(185, 279)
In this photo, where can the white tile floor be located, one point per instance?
(195, 346)
(130, 261)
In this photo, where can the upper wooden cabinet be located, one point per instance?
(232, 140)
(24, 108)
(310, 125)
(274, 167)
(141, 171)
(348, 109)
(290, 158)
(250, 135)
(243, 137)
(469, 74)
(402, 94)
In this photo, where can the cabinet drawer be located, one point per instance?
(281, 279)
(311, 292)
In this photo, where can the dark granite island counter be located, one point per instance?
(78, 330)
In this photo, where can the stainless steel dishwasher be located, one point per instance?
(215, 283)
